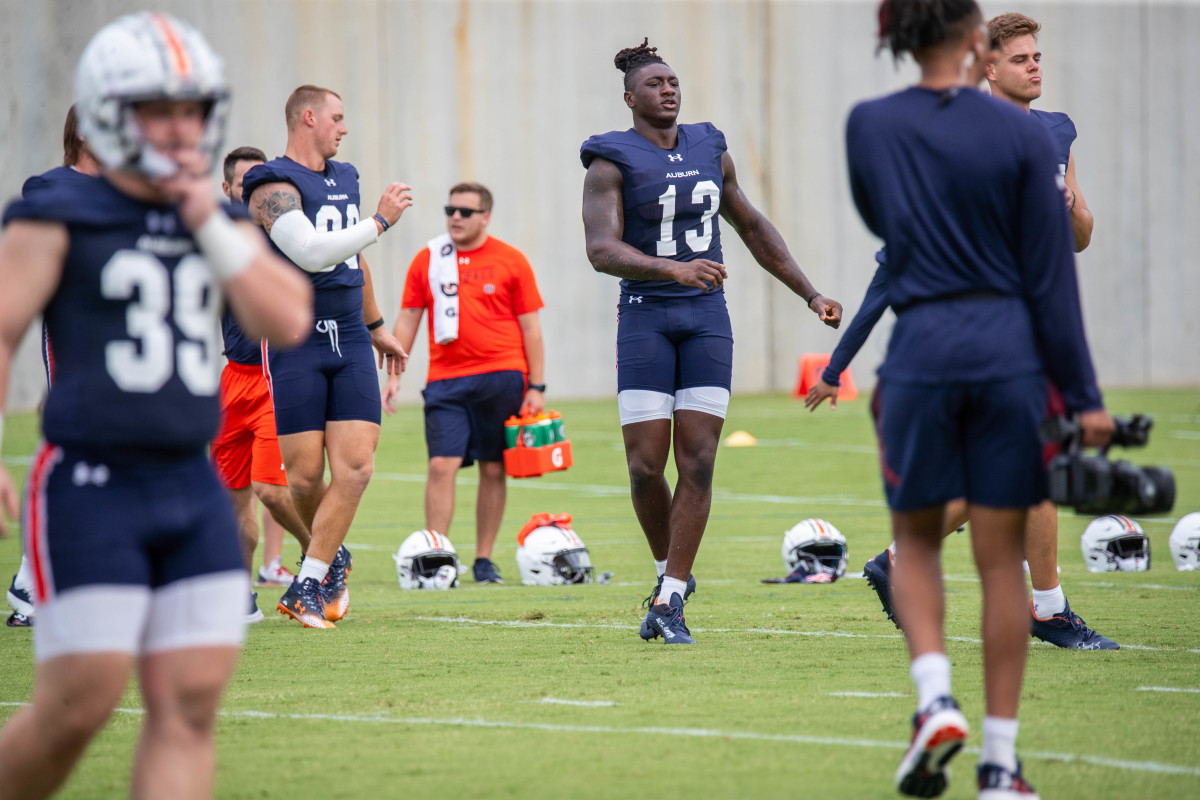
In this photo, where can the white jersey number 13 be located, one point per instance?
(697, 241)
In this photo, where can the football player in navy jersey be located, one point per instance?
(1016, 77)
(245, 451)
(962, 188)
(326, 393)
(132, 540)
(78, 165)
(650, 202)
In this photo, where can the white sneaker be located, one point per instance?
(274, 575)
(255, 613)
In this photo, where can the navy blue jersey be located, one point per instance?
(1062, 133)
(671, 197)
(239, 348)
(51, 178)
(963, 190)
(133, 321)
(330, 201)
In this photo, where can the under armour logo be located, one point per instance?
(330, 182)
(160, 223)
(675, 157)
(637, 299)
(489, 288)
(85, 474)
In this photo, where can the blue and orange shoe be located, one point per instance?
(878, 572)
(302, 602)
(938, 734)
(687, 592)
(666, 620)
(335, 590)
(1067, 630)
(997, 783)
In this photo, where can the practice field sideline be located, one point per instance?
(512, 691)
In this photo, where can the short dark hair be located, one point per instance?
(485, 196)
(241, 154)
(910, 26)
(1006, 27)
(72, 141)
(306, 96)
(631, 59)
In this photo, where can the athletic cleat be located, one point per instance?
(878, 574)
(275, 574)
(302, 602)
(666, 620)
(1069, 631)
(485, 571)
(255, 613)
(334, 589)
(19, 599)
(18, 620)
(997, 783)
(938, 734)
(687, 592)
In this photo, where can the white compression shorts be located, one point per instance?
(641, 405)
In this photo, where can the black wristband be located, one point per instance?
(811, 297)
(538, 387)
(379, 218)
(376, 324)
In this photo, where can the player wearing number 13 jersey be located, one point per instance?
(325, 392)
(650, 205)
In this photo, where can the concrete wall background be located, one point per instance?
(504, 92)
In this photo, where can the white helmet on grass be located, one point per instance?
(817, 546)
(426, 560)
(1185, 542)
(551, 554)
(1115, 544)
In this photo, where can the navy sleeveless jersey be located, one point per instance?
(1062, 133)
(133, 321)
(671, 197)
(330, 201)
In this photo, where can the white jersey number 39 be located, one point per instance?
(145, 364)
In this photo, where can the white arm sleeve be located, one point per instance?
(320, 251)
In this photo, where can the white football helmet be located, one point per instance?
(427, 560)
(817, 546)
(552, 556)
(1185, 542)
(140, 57)
(1115, 544)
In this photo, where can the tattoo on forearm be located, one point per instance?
(273, 205)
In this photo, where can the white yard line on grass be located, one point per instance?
(867, 694)
(1167, 689)
(586, 703)
(693, 733)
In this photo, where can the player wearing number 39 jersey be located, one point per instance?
(325, 392)
(132, 540)
(650, 205)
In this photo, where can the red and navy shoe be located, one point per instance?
(878, 572)
(938, 734)
(997, 783)
(335, 589)
(302, 602)
(1067, 630)
(666, 620)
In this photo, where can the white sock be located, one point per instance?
(892, 549)
(671, 586)
(1048, 603)
(24, 579)
(999, 743)
(931, 674)
(313, 568)
(660, 567)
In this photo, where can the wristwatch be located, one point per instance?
(538, 387)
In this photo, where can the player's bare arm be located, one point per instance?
(1081, 216)
(31, 262)
(767, 246)
(604, 222)
(385, 343)
(271, 201)
(531, 337)
(407, 324)
(270, 299)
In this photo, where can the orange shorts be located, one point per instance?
(247, 448)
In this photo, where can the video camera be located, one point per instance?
(1095, 485)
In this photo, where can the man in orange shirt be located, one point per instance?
(485, 362)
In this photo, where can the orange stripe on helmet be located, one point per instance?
(183, 64)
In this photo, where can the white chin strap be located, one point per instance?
(445, 578)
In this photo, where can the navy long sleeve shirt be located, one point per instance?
(963, 190)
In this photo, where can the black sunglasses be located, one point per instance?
(466, 212)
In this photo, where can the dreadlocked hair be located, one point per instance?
(909, 26)
(631, 59)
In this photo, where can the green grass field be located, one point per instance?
(449, 694)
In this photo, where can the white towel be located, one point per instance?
(443, 283)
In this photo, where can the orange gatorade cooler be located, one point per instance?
(536, 445)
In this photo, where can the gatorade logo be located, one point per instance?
(556, 457)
